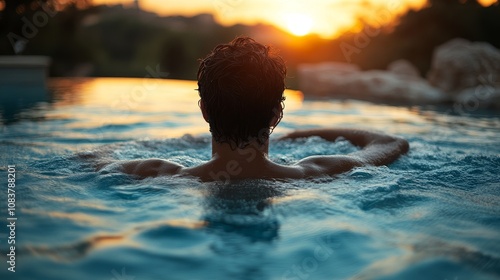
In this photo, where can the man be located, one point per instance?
(241, 87)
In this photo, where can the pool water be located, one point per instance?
(432, 214)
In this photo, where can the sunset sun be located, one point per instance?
(299, 24)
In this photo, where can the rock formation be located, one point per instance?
(460, 64)
(461, 72)
(339, 80)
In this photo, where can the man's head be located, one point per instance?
(241, 87)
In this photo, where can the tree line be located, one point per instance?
(85, 39)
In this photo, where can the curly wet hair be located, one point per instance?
(241, 85)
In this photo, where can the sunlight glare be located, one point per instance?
(299, 24)
(487, 3)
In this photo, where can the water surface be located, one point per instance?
(433, 214)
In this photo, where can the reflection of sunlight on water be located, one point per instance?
(134, 94)
(133, 107)
(355, 114)
(82, 203)
(80, 218)
(71, 252)
(126, 238)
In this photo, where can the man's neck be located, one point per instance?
(251, 153)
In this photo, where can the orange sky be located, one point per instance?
(328, 18)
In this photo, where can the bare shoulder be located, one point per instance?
(150, 167)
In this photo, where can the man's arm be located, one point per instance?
(144, 168)
(150, 167)
(377, 149)
(102, 159)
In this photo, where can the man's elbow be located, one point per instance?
(403, 145)
(394, 141)
(388, 151)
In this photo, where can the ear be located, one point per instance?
(203, 111)
(278, 114)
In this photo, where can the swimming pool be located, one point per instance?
(433, 214)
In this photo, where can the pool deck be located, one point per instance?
(22, 71)
(23, 83)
